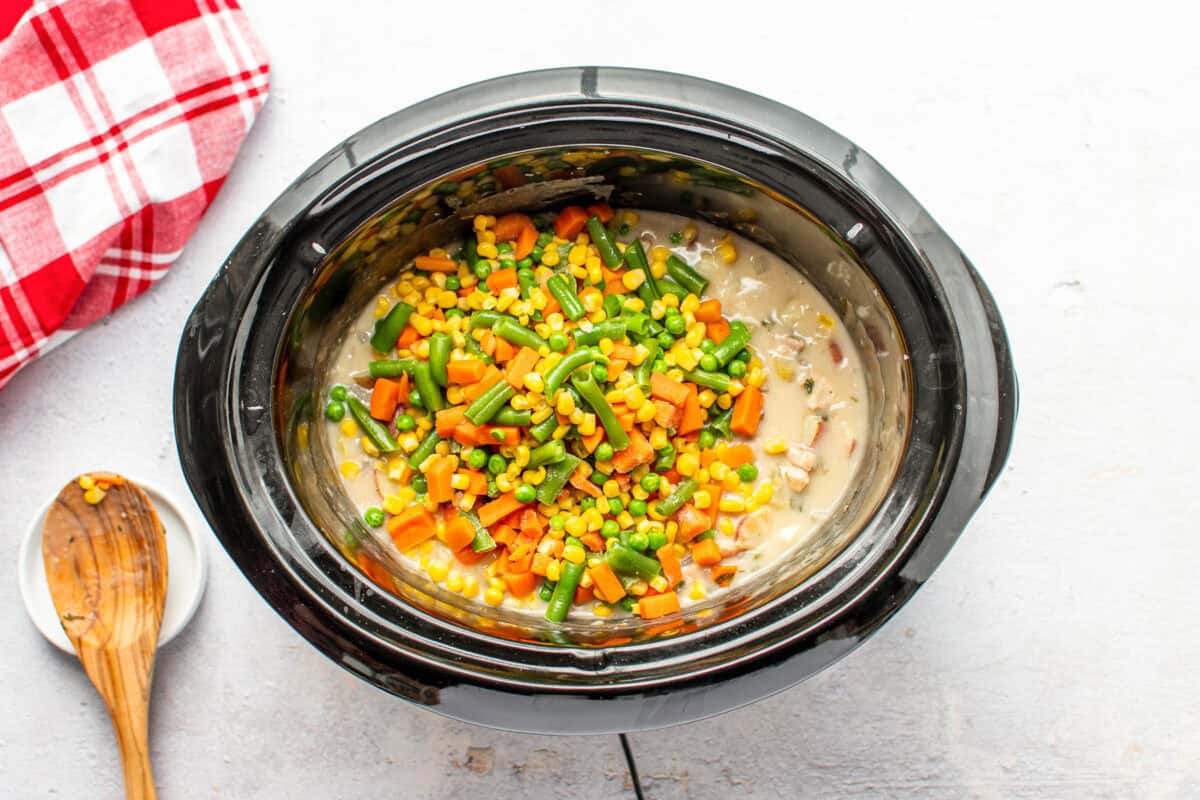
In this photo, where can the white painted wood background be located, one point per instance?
(1052, 655)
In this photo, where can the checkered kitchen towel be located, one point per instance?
(118, 122)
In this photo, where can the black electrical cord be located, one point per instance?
(629, 762)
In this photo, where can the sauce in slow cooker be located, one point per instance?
(807, 447)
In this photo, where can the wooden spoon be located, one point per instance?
(107, 567)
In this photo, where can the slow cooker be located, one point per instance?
(254, 352)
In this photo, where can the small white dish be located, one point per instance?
(187, 572)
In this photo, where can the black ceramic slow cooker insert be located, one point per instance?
(257, 347)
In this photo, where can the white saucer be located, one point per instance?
(187, 571)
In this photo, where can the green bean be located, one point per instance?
(717, 381)
(474, 348)
(389, 328)
(483, 541)
(440, 346)
(572, 306)
(392, 369)
(545, 429)
(424, 449)
(609, 329)
(683, 492)
(556, 478)
(668, 286)
(666, 459)
(526, 281)
(431, 395)
(569, 363)
(608, 251)
(636, 322)
(511, 330)
(636, 256)
(612, 305)
(687, 277)
(624, 559)
(484, 407)
(641, 373)
(487, 319)
(564, 592)
(372, 428)
(588, 389)
(721, 425)
(549, 453)
(739, 337)
(471, 253)
(510, 416)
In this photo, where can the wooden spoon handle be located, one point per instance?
(122, 677)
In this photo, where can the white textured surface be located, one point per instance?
(1054, 652)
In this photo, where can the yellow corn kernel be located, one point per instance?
(633, 278)
(521, 456)
(695, 334)
(732, 481)
(724, 401)
(574, 554)
(825, 321)
(541, 414)
(634, 398)
(657, 309)
(438, 570)
(348, 427)
(689, 233)
(670, 301)
(369, 447)
(751, 505)
(554, 570)
(519, 403)
(576, 526)
(707, 398)
(763, 494)
(615, 396)
(488, 250)
(424, 325)
(534, 476)
(560, 432)
(697, 591)
(601, 610)
(587, 425)
(480, 223)
(459, 482)
(687, 464)
(382, 304)
(447, 299)
(564, 403)
(611, 488)
(646, 413)
(550, 257)
(467, 502)
(726, 527)
(392, 504)
(454, 582)
(726, 252)
(659, 584)
(577, 257)
(95, 494)
(350, 470)
(625, 519)
(577, 416)
(755, 378)
(732, 504)
(718, 470)
(702, 499)
(635, 304)
(409, 442)
(504, 483)
(86, 482)
(775, 446)
(470, 586)
(690, 304)
(658, 438)
(493, 596)
(535, 382)
(684, 356)
(638, 588)
(702, 475)
(659, 253)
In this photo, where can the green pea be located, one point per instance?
(637, 508)
(544, 238)
(735, 369)
(405, 423)
(558, 522)
(478, 458)
(639, 541)
(708, 534)
(559, 342)
(546, 592)
(373, 516)
(650, 481)
(747, 472)
(707, 346)
(335, 411)
(504, 248)
(708, 362)
(587, 504)
(676, 237)
(604, 452)
(615, 506)
(600, 373)
(537, 253)
(453, 283)
(659, 366)
(482, 270)
(743, 355)
(525, 263)
(524, 493)
(419, 484)
(609, 528)
(657, 539)
(623, 230)
(598, 478)
(497, 464)
(676, 324)
(708, 439)
(451, 313)
(414, 399)
(339, 393)
(666, 341)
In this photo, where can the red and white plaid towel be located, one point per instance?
(118, 122)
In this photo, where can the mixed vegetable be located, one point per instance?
(555, 401)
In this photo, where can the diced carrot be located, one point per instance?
(667, 389)
(372, 569)
(693, 416)
(491, 376)
(487, 343)
(111, 478)
(615, 367)
(715, 490)
(410, 527)
(692, 523)
(504, 350)
(439, 474)
(459, 533)
(446, 420)
(408, 337)
(590, 291)
(570, 222)
(707, 457)
(672, 570)
(709, 310)
(502, 506)
(717, 331)
(638, 452)
(385, 396)
(722, 574)
(613, 283)
(465, 370)
(627, 419)
(668, 414)
(607, 584)
(622, 350)
(593, 441)
(468, 556)
(706, 552)
(476, 481)
(435, 264)
(541, 564)
(526, 240)
(747, 410)
(653, 606)
(504, 534)
(531, 523)
(518, 562)
(520, 584)
(499, 435)
(601, 210)
(736, 455)
(583, 594)
(466, 433)
(509, 227)
(510, 176)
(520, 366)
(581, 482)
(592, 541)
(501, 279)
